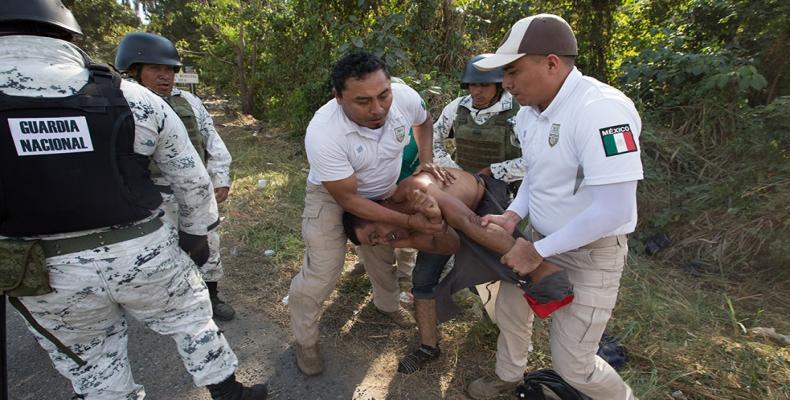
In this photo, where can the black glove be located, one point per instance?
(194, 245)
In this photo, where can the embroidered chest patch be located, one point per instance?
(554, 134)
(617, 140)
(400, 133)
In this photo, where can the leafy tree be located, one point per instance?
(101, 35)
(177, 21)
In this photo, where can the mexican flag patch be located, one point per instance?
(617, 139)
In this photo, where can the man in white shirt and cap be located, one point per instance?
(580, 144)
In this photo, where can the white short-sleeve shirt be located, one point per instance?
(337, 147)
(588, 135)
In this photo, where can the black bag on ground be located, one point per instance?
(546, 384)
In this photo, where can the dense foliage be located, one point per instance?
(707, 75)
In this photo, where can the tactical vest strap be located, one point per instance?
(187, 114)
(41, 330)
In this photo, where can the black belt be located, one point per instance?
(58, 247)
(166, 189)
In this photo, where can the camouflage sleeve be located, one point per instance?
(441, 131)
(219, 158)
(161, 135)
(509, 171)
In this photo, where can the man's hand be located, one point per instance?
(507, 221)
(522, 257)
(221, 194)
(444, 176)
(421, 223)
(485, 171)
(194, 245)
(426, 205)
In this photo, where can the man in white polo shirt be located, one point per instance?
(354, 145)
(580, 143)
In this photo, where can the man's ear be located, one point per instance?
(553, 62)
(336, 94)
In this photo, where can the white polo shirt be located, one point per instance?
(337, 147)
(588, 135)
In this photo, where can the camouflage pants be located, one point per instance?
(212, 270)
(152, 280)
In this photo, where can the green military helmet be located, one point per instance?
(474, 75)
(146, 48)
(16, 16)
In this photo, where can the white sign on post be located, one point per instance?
(186, 78)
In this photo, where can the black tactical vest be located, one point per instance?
(68, 164)
(479, 146)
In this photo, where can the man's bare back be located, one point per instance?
(465, 187)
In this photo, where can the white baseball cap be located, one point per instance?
(540, 34)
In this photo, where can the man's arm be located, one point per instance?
(518, 209)
(160, 134)
(508, 171)
(344, 191)
(441, 131)
(219, 158)
(492, 236)
(445, 243)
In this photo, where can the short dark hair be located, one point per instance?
(357, 66)
(570, 60)
(350, 223)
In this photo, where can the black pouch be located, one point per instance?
(546, 384)
(23, 268)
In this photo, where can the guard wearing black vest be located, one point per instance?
(152, 61)
(81, 241)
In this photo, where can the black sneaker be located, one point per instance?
(414, 361)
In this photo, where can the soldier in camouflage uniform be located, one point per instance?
(152, 61)
(482, 125)
(84, 139)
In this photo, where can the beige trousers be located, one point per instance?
(576, 329)
(404, 264)
(324, 256)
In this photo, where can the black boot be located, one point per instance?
(222, 311)
(230, 389)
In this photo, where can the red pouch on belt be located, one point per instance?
(543, 310)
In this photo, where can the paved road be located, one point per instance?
(262, 348)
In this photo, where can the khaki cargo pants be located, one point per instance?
(324, 256)
(576, 329)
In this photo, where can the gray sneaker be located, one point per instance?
(486, 388)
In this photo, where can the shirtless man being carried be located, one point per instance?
(454, 202)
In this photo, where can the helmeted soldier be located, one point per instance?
(152, 61)
(82, 218)
(482, 125)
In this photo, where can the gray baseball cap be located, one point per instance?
(538, 35)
